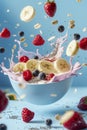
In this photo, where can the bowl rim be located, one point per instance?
(41, 84)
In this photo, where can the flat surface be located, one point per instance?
(12, 115)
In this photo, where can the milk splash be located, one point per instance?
(57, 52)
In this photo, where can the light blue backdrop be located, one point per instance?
(10, 18)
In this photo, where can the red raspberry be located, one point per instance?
(27, 75)
(38, 40)
(27, 115)
(23, 59)
(83, 103)
(5, 33)
(49, 76)
(83, 43)
(3, 101)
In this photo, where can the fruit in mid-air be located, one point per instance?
(5, 33)
(27, 13)
(38, 40)
(72, 48)
(50, 8)
(83, 43)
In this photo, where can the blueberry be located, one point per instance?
(76, 36)
(35, 73)
(21, 33)
(3, 127)
(42, 75)
(2, 50)
(36, 57)
(48, 122)
(61, 28)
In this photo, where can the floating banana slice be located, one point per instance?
(61, 65)
(19, 67)
(46, 67)
(32, 64)
(27, 13)
(72, 48)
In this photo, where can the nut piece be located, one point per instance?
(71, 24)
(57, 117)
(54, 22)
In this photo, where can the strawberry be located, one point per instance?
(5, 33)
(49, 76)
(83, 43)
(83, 103)
(27, 115)
(27, 75)
(73, 120)
(38, 40)
(50, 8)
(23, 59)
(3, 101)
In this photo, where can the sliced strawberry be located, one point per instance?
(27, 75)
(73, 120)
(5, 33)
(49, 76)
(27, 115)
(50, 8)
(83, 43)
(23, 59)
(38, 40)
(83, 103)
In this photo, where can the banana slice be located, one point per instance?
(19, 67)
(27, 13)
(61, 65)
(72, 48)
(32, 64)
(46, 67)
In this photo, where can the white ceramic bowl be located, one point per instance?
(42, 94)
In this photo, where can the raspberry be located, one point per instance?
(27, 75)
(23, 59)
(83, 43)
(5, 33)
(3, 101)
(27, 115)
(49, 76)
(38, 40)
(83, 103)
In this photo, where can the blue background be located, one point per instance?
(10, 18)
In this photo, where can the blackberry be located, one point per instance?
(3, 127)
(21, 34)
(35, 73)
(36, 57)
(61, 28)
(2, 50)
(42, 76)
(76, 36)
(48, 122)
